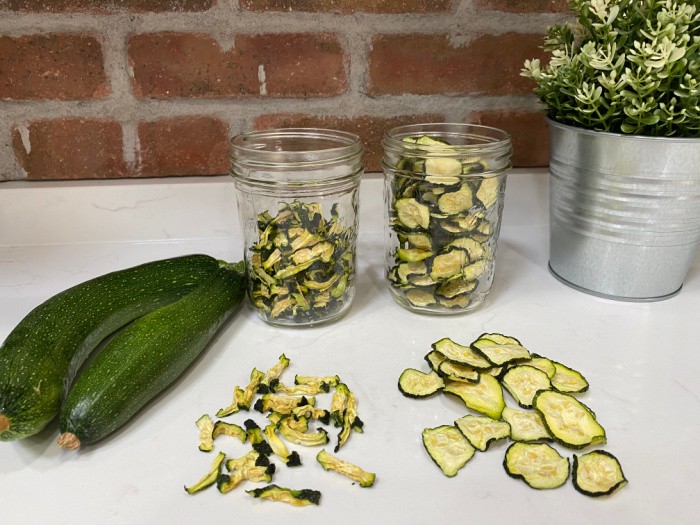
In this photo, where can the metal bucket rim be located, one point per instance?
(624, 136)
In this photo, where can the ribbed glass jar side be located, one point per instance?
(444, 193)
(297, 192)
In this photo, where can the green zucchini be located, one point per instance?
(146, 356)
(41, 356)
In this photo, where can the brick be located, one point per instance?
(526, 6)
(171, 65)
(349, 6)
(106, 6)
(52, 66)
(528, 130)
(431, 64)
(370, 129)
(183, 146)
(70, 148)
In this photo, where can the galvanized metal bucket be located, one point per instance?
(624, 212)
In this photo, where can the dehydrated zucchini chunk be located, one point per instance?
(206, 429)
(568, 380)
(460, 354)
(299, 437)
(222, 428)
(210, 477)
(243, 398)
(597, 473)
(486, 396)
(525, 425)
(448, 448)
(350, 470)
(568, 421)
(523, 382)
(278, 447)
(298, 498)
(499, 349)
(414, 383)
(481, 431)
(270, 379)
(537, 464)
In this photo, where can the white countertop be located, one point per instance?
(641, 359)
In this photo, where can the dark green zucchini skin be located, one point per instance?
(147, 356)
(40, 357)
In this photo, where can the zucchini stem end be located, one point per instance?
(68, 440)
(4, 422)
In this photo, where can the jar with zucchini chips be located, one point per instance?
(444, 193)
(297, 192)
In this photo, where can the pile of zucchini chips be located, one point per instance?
(548, 412)
(291, 411)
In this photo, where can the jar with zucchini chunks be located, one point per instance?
(444, 192)
(297, 192)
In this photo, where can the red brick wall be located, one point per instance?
(146, 88)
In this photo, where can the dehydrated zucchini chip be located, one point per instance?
(537, 464)
(597, 473)
(457, 372)
(448, 264)
(355, 473)
(488, 191)
(481, 431)
(414, 383)
(542, 363)
(457, 353)
(412, 214)
(454, 202)
(523, 382)
(448, 448)
(434, 359)
(500, 349)
(568, 421)
(298, 498)
(568, 380)
(486, 396)
(525, 425)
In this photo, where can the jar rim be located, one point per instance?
(294, 146)
(467, 138)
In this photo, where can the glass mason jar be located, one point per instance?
(297, 193)
(444, 191)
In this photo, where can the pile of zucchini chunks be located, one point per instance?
(290, 409)
(303, 265)
(544, 389)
